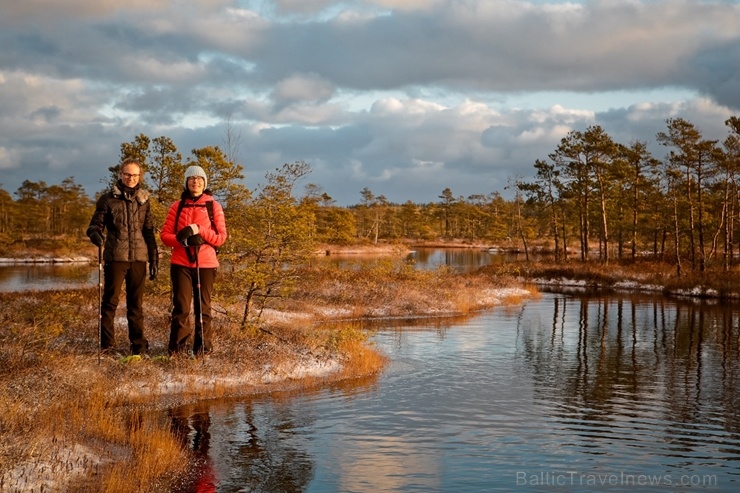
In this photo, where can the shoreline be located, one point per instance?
(408, 246)
(630, 286)
(402, 247)
(44, 260)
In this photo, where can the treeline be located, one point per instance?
(683, 208)
(40, 210)
(592, 197)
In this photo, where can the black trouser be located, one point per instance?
(134, 274)
(184, 284)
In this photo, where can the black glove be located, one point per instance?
(153, 270)
(195, 240)
(186, 233)
(96, 238)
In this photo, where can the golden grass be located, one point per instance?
(714, 281)
(361, 360)
(392, 288)
(67, 421)
(60, 424)
(155, 454)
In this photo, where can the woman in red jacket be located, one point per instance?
(194, 228)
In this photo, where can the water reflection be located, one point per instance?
(457, 259)
(192, 425)
(683, 354)
(570, 388)
(256, 457)
(27, 277)
(462, 260)
(646, 378)
(254, 448)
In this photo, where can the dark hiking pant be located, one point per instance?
(133, 274)
(184, 285)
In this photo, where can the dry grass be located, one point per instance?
(58, 419)
(660, 276)
(392, 288)
(68, 420)
(61, 246)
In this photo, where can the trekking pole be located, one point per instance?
(100, 299)
(200, 305)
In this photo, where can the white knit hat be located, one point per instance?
(196, 171)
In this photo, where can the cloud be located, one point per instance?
(6, 160)
(51, 11)
(302, 88)
(302, 6)
(507, 46)
(410, 97)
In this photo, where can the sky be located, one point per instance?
(403, 97)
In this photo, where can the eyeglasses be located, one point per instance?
(193, 178)
(131, 175)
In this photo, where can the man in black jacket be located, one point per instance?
(129, 243)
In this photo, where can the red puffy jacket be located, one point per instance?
(194, 212)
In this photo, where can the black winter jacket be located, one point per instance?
(127, 218)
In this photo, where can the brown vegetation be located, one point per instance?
(68, 418)
(643, 274)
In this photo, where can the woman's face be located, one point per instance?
(196, 185)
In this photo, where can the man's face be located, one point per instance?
(130, 175)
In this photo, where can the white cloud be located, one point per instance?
(307, 114)
(405, 4)
(53, 10)
(302, 87)
(6, 161)
(302, 6)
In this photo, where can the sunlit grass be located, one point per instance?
(714, 281)
(360, 359)
(393, 288)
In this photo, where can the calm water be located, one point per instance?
(460, 259)
(571, 393)
(26, 277)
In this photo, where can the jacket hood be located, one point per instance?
(186, 195)
(141, 195)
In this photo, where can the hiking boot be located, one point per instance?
(112, 352)
(201, 351)
(134, 358)
(141, 350)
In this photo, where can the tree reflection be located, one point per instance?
(252, 453)
(674, 361)
(253, 444)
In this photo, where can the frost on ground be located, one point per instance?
(57, 464)
(626, 285)
(44, 260)
(697, 292)
(419, 304)
(200, 383)
(500, 296)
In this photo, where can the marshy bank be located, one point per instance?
(70, 420)
(643, 275)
